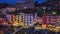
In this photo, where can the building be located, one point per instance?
(0, 21)
(58, 20)
(52, 5)
(3, 21)
(50, 19)
(24, 5)
(29, 16)
(8, 9)
(37, 20)
(21, 19)
(29, 19)
(16, 19)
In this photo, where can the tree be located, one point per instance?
(54, 12)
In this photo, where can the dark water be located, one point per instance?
(9, 30)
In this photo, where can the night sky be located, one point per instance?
(14, 1)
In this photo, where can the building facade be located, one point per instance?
(16, 20)
(37, 20)
(50, 19)
(29, 19)
(3, 21)
(21, 19)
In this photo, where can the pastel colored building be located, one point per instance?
(29, 19)
(37, 20)
(50, 19)
(21, 19)
(16, 20)
(3, 21)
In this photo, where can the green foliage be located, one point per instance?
(54, 12)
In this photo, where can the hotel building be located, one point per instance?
(50, 19)
(3, 21)
(16, 19)
(29, 19)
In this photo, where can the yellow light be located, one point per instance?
(21, 23)
(15, 23)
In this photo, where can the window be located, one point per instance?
(18, 19)
(21, 18)
(49, 20)
(11, 18)
(45, 22)
(15, 18)
(44, 19)
(30, 19)
(27, 22)
(30, 22)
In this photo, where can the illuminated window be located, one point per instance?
(25, 7)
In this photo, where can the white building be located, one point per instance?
(29, 19)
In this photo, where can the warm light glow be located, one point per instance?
(21, 23)
(44, 25)
(15, 24)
